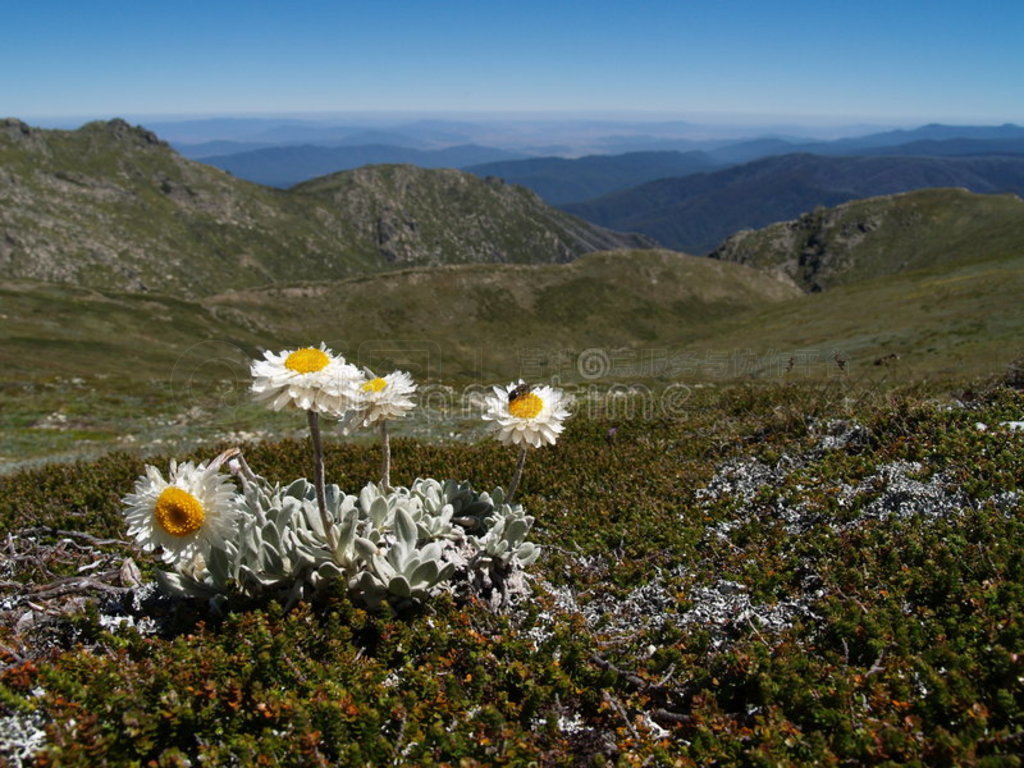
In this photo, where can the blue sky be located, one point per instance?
(890, 61)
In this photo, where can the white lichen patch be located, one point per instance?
(896, 491)
(22, 736)
(724, 609)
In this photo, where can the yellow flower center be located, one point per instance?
(179, 512)
(307, 360)
(526, 406)
(376, 385)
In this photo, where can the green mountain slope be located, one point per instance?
(484, 320)
(467, 314)
(879, 236)
(950, 320)
(111, 206)
(82, 371)
(51, 329)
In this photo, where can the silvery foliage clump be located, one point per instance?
(391, 549)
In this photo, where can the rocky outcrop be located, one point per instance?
(878, 236)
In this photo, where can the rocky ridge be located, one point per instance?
(111, 206)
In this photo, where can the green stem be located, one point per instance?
(514, 485)
(385, 469)
(318, 478)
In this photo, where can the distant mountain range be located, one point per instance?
(560, 180)
(951, 148)
(197, 151)
(930, 132)
(752, 148)
(283, 153)
(183, 134)
(112, 206)
(286, 166)
(695, 213)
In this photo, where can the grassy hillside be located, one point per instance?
(483, 319)
(82, 371)
(112, 207)
(611, 298)
(939, 322)
(697, 212)
(879, 236)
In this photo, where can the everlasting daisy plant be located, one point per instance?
(526, 416)
(389, 546)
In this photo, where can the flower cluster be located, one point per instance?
(389, 545)
(316, 379)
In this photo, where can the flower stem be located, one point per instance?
(318, 477)
(514, 485)
(385, 467)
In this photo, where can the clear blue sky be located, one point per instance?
(878, 60)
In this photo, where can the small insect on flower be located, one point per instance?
(525, 415)
(522, 389)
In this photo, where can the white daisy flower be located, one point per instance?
(310, 379)
(524, 415)
(383, 399)
(192, 511)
